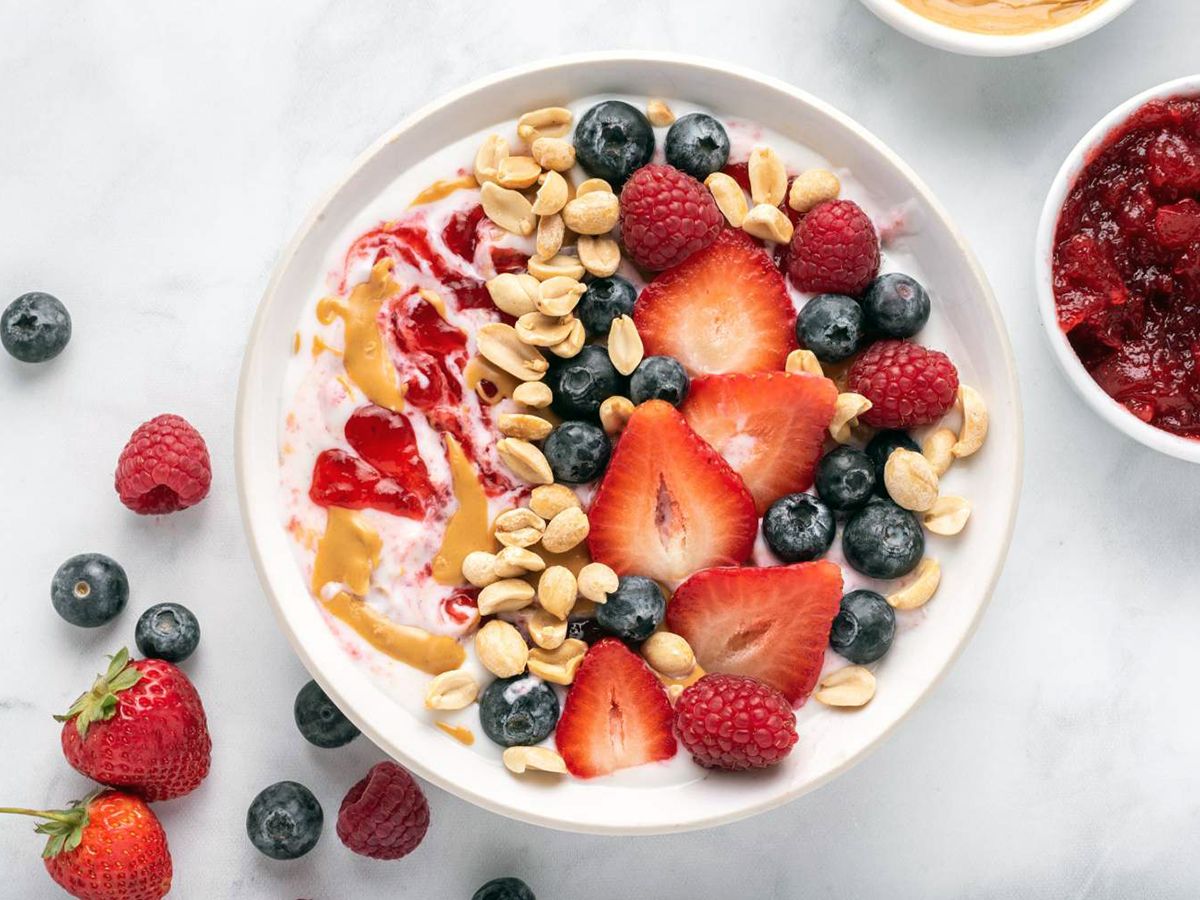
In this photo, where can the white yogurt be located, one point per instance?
(317, 406)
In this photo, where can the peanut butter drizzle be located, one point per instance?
(467, 529)
(319, 346)
(1002, 16)
(347, 554)
(443, 188)
(365, 355)
(460, 734)
(295, 343)
(696, 674)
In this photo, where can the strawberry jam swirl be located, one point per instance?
(1127, 265)
(399, 455)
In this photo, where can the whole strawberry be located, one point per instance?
(164, 467)
(142, 728)
(108, 846)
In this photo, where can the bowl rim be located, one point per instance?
(970, 43)
(254, 347)
(1105, 406)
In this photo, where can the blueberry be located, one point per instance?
(658, 378)
(831, 326)
(582, 383)
(167, 631)
(35, 327)
(504, 889)
(798, 527)
(880, 447)
(634, 609)
(845, 478)
(89, 590)
(604, 300)
(284, 821)
(578, 452)
(518, 711)
(586, 630)
(895, 306)
(613, 140)
(697, 144)
(319, 720)
(882, 540)
(864, 627)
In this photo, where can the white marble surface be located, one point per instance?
(155, 158)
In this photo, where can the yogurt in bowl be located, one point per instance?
(366, 548)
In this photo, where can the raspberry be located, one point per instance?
(906, 383)
(164, 467)
(834, 250)
(384, 816)
(735, 722)
(666, 216)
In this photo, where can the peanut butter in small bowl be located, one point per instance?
(1002, 16)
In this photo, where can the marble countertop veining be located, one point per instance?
(157, 156)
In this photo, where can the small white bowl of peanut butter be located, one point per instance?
(997, 27)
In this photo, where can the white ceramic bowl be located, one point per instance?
(971, 43)
(1109, 409)
(971, 329)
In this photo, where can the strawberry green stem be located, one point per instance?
(57, 816)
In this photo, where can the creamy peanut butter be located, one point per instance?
(347, 554)
(365, 353)
(460, 734)
(467, 529)
(696, 674)
(1002, 16)
(443, 188)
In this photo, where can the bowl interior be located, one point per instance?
(972, 43)
(968, 327)
(1105, 406)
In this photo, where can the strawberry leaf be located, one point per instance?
(100, 703)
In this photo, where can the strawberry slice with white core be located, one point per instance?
(771, 623)
(769, 427)
(616, 714)
(724, 309)
(669, 504)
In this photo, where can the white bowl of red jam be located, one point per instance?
(997, 27)
(1118, 268)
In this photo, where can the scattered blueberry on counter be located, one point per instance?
(319, 719)
(881, 446)
(895, 306)
(582, 383)
(659, 378)
(518, 711)
(578, 452)
(604, 300)
(89, 590)
(831, 326)
(882, 540)
(798, 528)
(612, 140)
(284, 821)
(863, 628)
(167, 631)
(845, 478)
(634, 610)
(504, 889)
(35, 327)
(697, 144)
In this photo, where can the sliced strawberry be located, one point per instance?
(668, 504)
(616, 715)
(724, 309)
(770, 427)
(771, 623)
